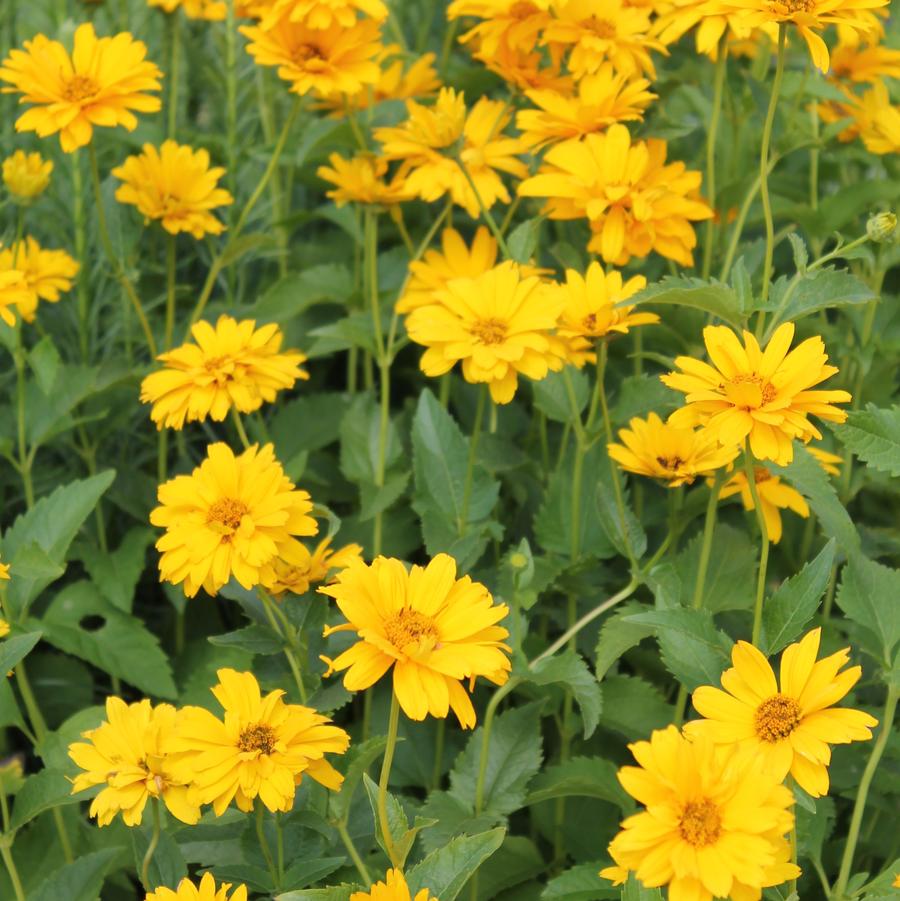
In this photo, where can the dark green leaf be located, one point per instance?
(360, 438)
(622, 536)
(523, 240)
(446, 871)
(297, 292)
(116, 573)
(79, 881)
(584, 777)
(729, 578)
(551, 395)
(42, 791)
(333, 893)
(820, 289)
(874, 436)
(633, 707)
(167, 867)
(256, 638)
(359, 758)
(13, 649)
(580, 883)
(568, 669)
(712, 297)
(869, 594)
(617, 635)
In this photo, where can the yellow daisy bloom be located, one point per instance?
(232, 364)
(527, 71)
(774, 496)
(653, 448)
(13, 292)
(761, 395)
(788, 727)
(514, 24)
(896, 882)
(861, 64)
(206, 10)
(713, 823)
(877, 121)
(325, 13)
(47, 273)
(434, 629)
(232, 516)
(499, 325)
(684, 15)
(394, 888)
(252, 9)
(26, 175)
(205, 891)
(128, 754)
(635, 202)
(100, 83)
(175, 186)
(262, 748)
(361, 179)
(309, 569)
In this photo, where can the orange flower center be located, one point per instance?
(488, 331)
(761, 474)
(303, 53)
(749, 391)
(603, 28)
(522, 10)
(409, 627)
(258, 737)
(789, 7)
(672, 463)
(701, 823)
(776, 718)
(227, 512)
(79, 87)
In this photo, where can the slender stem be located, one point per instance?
(814, 158)
(485, 212)
(170, 290)
(711, 136)
(709, 527)
(264, 843)
(387, 838)
(764, 544)
(489, 715)
(286, 631)
(279, 846)
(463, 522)
(438, 767)
(24, 458)
(151, 848)
(239, 426)
(174, 66)
(353, 852)
(6, 852)
(81, 254)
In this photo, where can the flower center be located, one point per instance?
(227, 512)
(761, 474)
(789, 7)
(409, 627)
(79, 87)
(776, 718)
(672, 463)
(749, 391)
(488, 331)
(603, 28)
(258, 737)
(700, 823)
(522, 10)
(303, 53)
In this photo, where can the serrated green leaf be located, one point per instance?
(639, 395)
(445, 871)
(42, 791)
(633, 707)
(515, 862)
(79, 880)
(868, 594)
(712, 297)
(116, 573)
(359, 758)
(551, 395)
(256, 638)
(580, 883)
(571, 671)
(729, 578)
(873, 435)
(13, 649)
(584, 777)
(618, 636)
(622, 536)
(820, 289)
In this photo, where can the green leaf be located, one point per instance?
(795, 602)
(633, 707)
(308, 423)
(869, 594)
(297, 292)
(333, 893)
(712, 297)
(517, 861)
(116, 573)
(360, 429)
(639, 395)
(359, 758)
(570, 670)
(256, 638)
(732, 565)
(79, 881)
(580, 883)
(635, 891)
(820, 289)
(583, 777)
(42, 791)
(402, 835)
(523, 239)
(13, 649)
(551, 395)
(168, 866)
(445, 871)
(375, 500)
(611, 521)
(873, 435)
(618, 635)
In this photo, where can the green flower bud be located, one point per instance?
(881, 227)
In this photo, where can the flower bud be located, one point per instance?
(881, 227)
(26, 175)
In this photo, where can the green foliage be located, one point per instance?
(868, 596)
(713, 297)
(446, 870)
(873, 435)
(569, 670)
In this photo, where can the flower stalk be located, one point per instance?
(386, 763)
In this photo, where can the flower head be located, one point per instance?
(320, 14)
(174, 186)
(4, 574)
(262, 748)
(860, 63)
(99, 83)
(790, 726)
(309, 568)
(394, 888)
(205, 891)
(513, 24)
(761, 395)
(26, 175)
(774, 496)
(14, 292)
(432, 628)
(713, 823)
(232, 516)
(47, 273)
(361, 179)
(232, 365)
(128, 754)
(206, 10)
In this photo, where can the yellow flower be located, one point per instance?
(590, 309)
(790, 727)
(100, 83)
(307, 569)
(231, 517)
(333, 60)
(876, 119)
(26, 175)
(857, 63)
(128, 754)
(47, 273)
(713, 823)
(232, 364)
(498, 324)
(896, 882)
(13, 293)
(325, 13)
(262, 748)
(4, 625)
(433, 628)
(513, 24)
(175, 186)
(205, 891)
(432, 136)
(635, 203)
(761, 395)
(651, 447)
(4, 575)
(828, 461)
(361, 179)
(207, 10)
(252, 9)
(684, 15)
(394, 888)
(774, 496)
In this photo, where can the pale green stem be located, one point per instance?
(286, 631)
(353, 852)
(711, 136)
(463, 523)
(764, 545)
(21, 430)
(393, 725)
(173, 74)
(264, 843)
(151, 848)
(485, 212)
(6, 852)
(239, 426)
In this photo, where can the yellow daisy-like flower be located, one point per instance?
(310, 568)
(100, 83)
(262, 748)
(47, 273)
(332, 60)
(861, 64)
(252, 9)
(205, 10)
(428, 142)
(876, 119)
(128, 754)
(361, 179)
(774, 496)
(713, 823)
(13, 293)
(499, 325)
(232, 364)
(175, 186)
(682, 16)
(231, 517)
(325, 13)
(790, 726)
(513, 24)
(432, 628)
(4, 576)
(634, 201)
(205, 891)
(653, 448)
(761, 395)
(26, 175)
(394, 888)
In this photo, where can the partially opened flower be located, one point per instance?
(320, 14)
(763, 396)
(14, 291)
(394, 888)
(205, 10)
(26, 175)
(787, 724)
(361, 179)
(175, 186)
(774, 494)
(100, 83)
(206, 890)
(47, 273)
(308, 568)
(434, 630)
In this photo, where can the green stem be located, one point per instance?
(711, 136)
(170, 290)
(438, 767)
(764, 544)
(264, 844)
(485, 212)
(814, 159)
(353, 852)
(173, 79)
(24, 458)
(81, 255)
(387, 838)
(279, 846)
(489, 715)
(239, 426)
(286, 631)
(463, 522)
(151, 848)
(6, 852)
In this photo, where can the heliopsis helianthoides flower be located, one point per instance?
(790, 726)
(774, 496)
(859, 63)
(499, 325)
(590, 309)
(232, 516)
(683, 15)
(713, 823)
(527, 71)
(26, 175)
(763, 396)
(262, 748)
(333, 60)
(128, 753)
(653, 448)
(13, 292)
(434, 629)
(602, 99)
(877, 121)
(361, 179)
(429, 140)
(635, 202)
(515, 24)
(206, 10)
(394, 888)
(325, 13)
(232, 364)
(205, 891)
(99, 83)
(47, 273)
(175, 186)
(310, 568)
